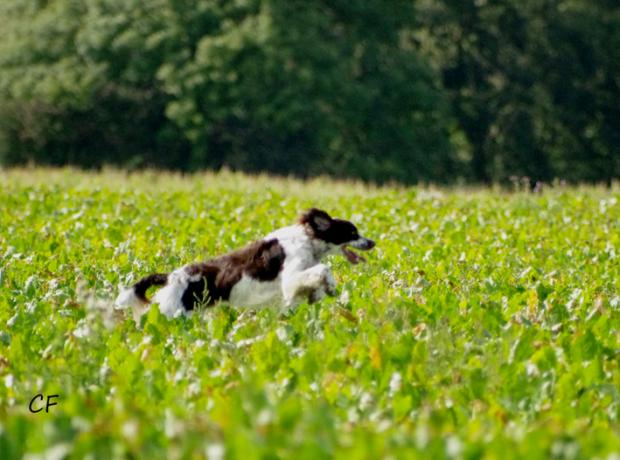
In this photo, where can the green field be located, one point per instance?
(485, 324)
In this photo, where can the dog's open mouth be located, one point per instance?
(351, 256)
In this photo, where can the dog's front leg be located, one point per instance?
(312, 283)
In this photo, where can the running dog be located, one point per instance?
(280, 270)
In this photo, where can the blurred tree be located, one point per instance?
(75, 88)
(345, 88)
(284, 86)
(532, 83)
(575, 46)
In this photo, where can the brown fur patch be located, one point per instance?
(262, 260)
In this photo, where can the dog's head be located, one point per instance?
(338, 235)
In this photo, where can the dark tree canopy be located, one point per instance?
(533, 84)
(381, 90)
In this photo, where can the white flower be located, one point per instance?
(215, 451)
(12, 320)
(83, 330)
(453, 446)
(264, 417)
(395, 383)
(344, 297)
(130, 429)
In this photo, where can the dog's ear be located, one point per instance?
(317, 219)
(270, 249)
(267, 259)
(264, 249)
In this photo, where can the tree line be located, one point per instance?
(418, 90)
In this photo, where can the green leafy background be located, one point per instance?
(484, 324)
(414, 91)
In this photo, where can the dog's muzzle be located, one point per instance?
(363, 244)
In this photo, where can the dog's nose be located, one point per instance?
(363, 243)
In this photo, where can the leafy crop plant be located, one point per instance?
(484, 325)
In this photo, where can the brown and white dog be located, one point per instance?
(279, 270)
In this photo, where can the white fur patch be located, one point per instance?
(127, 298)
(169, 297)
(250, 292)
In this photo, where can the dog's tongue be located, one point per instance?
(352, 256)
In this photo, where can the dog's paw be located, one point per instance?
(325, 280)
(285, 312)
(315, 295)
(330, 284)
(290, 303)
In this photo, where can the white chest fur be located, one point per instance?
(249, 292)
(299, 255)
(301, 251)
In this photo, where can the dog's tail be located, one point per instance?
(135, 295)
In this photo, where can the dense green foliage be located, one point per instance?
(402, 90)
(482, 326)
(276, 85)
(533, 84)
